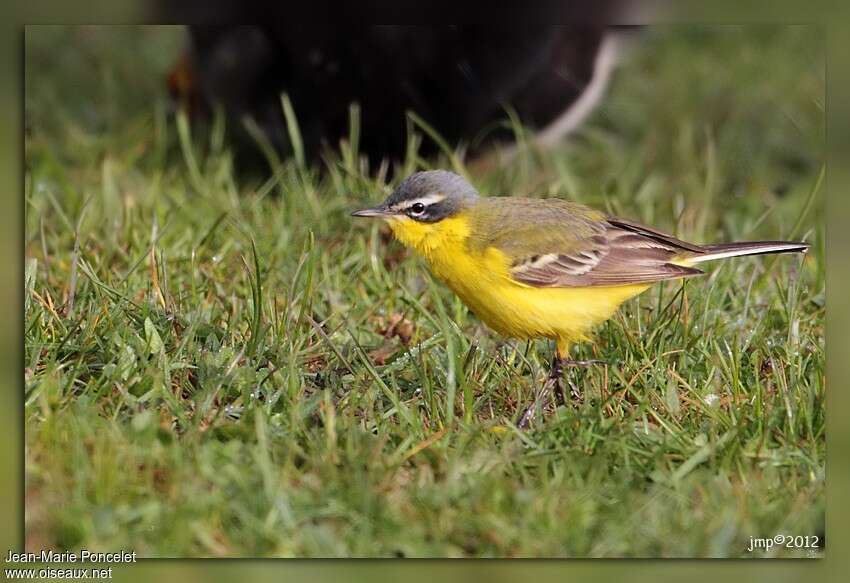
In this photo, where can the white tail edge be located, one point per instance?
(724, 250)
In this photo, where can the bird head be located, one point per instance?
(425, 198)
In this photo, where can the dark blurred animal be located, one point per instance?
(460, 79)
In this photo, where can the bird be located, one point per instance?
(540, 268)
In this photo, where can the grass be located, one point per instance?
(227, 365)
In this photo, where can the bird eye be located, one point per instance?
(417, 209)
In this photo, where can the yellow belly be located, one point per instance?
(521, 311)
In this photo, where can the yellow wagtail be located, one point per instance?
(540, 268)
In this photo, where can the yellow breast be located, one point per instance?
(482, 280)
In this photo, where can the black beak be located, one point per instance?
(372, 212)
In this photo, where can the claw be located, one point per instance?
(575, 393)
(527, 417)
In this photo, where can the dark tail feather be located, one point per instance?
(724, 250)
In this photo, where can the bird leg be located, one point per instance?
(554, 386)
(574, 391)
(556, 379)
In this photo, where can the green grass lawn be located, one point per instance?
(227, 365)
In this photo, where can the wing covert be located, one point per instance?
(551, 243)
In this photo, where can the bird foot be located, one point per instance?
(531, 410)
(554, 385)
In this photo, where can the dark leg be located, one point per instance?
(575, 393)
(556, 379)
(554, 385)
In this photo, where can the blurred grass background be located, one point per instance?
(234, 377)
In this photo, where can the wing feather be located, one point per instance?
(552, 243)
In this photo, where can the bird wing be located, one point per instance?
(554, 243)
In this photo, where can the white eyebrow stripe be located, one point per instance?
(425, 200)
